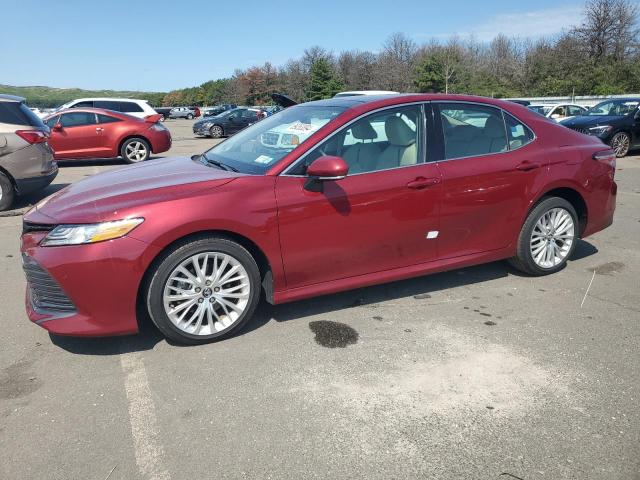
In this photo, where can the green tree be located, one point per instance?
(324, 80)
(430, 74)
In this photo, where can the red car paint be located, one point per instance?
(103, 140)
(361, 230)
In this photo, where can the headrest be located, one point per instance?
(398, 132)
(363, 131)
(494, 127)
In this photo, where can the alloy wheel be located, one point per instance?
(620, 143)
(136, 151)
(552, 237)
(216, 131)
(206, 293)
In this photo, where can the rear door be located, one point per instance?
(108, 130)
(490, 171)
(78, 137)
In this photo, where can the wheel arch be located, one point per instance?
(6, 173)
(264, 266)
(571, 195)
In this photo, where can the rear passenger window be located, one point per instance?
(519, 133)
(107, 119)
(108, 105)
(77, 119)
(130, 107)
(471, 130)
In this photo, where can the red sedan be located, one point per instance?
(321, 197)
(97, 133)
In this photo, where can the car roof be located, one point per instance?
(102, 111)
(10, 98)
(108, 98)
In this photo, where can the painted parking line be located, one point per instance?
(142, 416)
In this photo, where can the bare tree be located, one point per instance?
(609, 28)
(356, 69)
(395, 63)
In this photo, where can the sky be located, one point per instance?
(163, 45)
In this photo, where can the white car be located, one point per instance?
(130, 106)
(357, 93)
(558, 111)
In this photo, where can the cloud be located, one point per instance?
(532, 24)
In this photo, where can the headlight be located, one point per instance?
(90, 233)
(600, 129)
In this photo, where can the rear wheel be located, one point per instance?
(548, 237)
(7, 192)
(216, 131)
(621, 142)
(203, 290)
(135, 150)
(189, 117)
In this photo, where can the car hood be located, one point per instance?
(590, 120)
(113, 194)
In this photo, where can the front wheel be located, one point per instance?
(203, 290)
(621, 142)
(548, 237)
(216, 131)
(135, 150)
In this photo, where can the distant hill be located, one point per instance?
(47, 97)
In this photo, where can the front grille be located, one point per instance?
(30, 227)
(46, 294)
(580, 130)
(270, 138)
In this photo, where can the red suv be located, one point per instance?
(98, 133)
(321, 197)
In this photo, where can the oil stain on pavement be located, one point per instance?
(609, 268)
(18, 381)
(333, 334)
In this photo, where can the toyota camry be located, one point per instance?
(364, 190)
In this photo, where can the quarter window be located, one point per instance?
(130, 107)
(471, 130)
(107, 119)
(52, 121)
(87, 104)
(519, 134)
(380, 141)
(77, 119)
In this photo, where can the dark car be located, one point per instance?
(164, 111)
(227, 123)
(616, 122)
(217, 110)
(364, 190)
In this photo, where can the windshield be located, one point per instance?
(258, 147)
(614, 108)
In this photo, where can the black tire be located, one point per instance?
(523, 260)
(163, 118)
(132, 141)
(7, 192)
(216, 131)
(621, 143)
(189, 117)
(165, 265)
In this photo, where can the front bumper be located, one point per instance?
(101, 282)
(202, 130)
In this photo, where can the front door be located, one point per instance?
(491, 166)
(383, 215)
(78, 137)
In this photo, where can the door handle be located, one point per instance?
(421, 182)
(98, 129)
(527, 166)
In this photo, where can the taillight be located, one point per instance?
(32, 136)
(606, 156)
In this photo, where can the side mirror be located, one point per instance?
(325, 168)
(57, 127)
(232, 117)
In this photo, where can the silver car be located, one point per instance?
(182, 112)
(26, 159)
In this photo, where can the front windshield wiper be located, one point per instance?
(215, 163)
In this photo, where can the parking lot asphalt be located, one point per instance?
(477, 373)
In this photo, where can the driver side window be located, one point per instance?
(383, 140)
